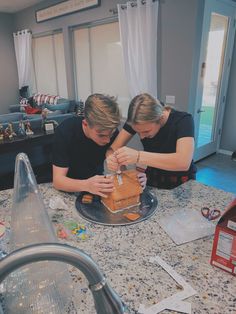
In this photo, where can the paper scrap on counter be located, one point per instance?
(174, 302)
(57, 203)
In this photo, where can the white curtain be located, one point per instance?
(23, 51)
(138, 32)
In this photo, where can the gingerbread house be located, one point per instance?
(126, 192)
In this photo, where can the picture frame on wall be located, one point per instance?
(64, 8)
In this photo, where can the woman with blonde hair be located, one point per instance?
(167, 136)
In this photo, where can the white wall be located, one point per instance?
(178, 31)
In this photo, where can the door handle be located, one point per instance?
(203, 69)
(200, 110)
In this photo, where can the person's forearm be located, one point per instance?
(171, 162)
(69, 185)
(109, 151)
(121, 140)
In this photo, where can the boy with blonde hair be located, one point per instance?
(80, 147)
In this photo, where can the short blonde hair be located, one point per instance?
(102, 111)
(144, 108)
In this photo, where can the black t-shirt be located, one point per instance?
(179, 125)
(73, 150)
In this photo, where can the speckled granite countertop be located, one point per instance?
(123, 253)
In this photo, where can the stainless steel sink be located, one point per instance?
(105, 298)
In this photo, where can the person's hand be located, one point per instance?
(126, 156)
(100, 185)
(142, 179)
(112, 163)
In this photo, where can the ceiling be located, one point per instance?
(13, 6)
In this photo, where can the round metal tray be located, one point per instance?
(97, 213)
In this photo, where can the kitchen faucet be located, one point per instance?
(105, 298)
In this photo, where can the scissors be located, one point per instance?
(210, 214)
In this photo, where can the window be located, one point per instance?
(49, 62)
(98, 63)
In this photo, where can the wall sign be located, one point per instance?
(65, 7)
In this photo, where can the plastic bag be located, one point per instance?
(186, 226)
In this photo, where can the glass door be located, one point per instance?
(99, 63)
(49, 64)
(216, 51)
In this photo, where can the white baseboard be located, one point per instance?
(225, 152)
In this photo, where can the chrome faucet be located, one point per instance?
(105, 299)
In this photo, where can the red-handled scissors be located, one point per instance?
(210, 214)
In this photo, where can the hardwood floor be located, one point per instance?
(219, 171)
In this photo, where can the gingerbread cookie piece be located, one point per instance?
(87, 199)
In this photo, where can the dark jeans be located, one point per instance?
(168, 181)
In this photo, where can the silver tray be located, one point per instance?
(97, 213)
